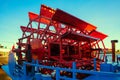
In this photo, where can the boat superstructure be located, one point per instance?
(56, 45)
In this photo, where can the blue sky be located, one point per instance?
(105, 14)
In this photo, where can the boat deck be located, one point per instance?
(96, 75)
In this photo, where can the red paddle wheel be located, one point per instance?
(62, 37)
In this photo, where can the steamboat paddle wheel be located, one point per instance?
(57, 38)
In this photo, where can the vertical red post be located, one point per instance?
(113, 49)
(60, 50)
(104, 50)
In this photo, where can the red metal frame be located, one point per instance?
(59, 27)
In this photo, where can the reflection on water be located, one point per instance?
(3, 60)
(3, 75)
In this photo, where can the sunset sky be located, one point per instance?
(105, 14)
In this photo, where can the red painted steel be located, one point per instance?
(75, 22)
(98, 34)
(63, 37)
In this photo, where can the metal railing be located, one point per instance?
(73, 70)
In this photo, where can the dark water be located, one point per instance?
(3, 75)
